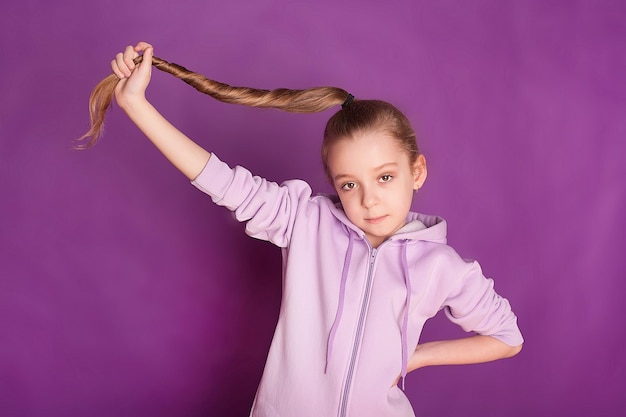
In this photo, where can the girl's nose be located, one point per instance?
(369, 198)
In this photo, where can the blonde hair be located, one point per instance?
(312, 100)
(355, 116)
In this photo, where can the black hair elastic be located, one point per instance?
(348, 101)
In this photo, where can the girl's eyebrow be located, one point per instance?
(386, 166)
(341, 176)
(382, 167)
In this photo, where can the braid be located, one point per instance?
(311, 100)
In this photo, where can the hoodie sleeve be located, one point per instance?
(268, 208)
(475, 306)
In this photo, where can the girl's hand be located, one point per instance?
(134, 79)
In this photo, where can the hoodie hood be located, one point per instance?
(418, 226)
(423, 227)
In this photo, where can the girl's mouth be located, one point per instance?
(375, 220)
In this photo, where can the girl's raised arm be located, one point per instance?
(182, 152)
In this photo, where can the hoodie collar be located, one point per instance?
(418, 226)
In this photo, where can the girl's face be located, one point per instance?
(375, 180)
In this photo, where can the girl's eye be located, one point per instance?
(385, 178)
(348, 186)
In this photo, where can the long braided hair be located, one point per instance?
(354, 117)
(311, 100)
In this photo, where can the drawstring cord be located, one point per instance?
(405, 320)
(342, 291)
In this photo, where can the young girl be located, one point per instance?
(362, 273)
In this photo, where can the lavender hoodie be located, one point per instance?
(351, 315)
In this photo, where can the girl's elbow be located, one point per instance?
(514, 350)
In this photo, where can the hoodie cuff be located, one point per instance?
(215, 178)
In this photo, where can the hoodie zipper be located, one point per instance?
(343, 403)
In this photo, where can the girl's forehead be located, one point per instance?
(365, 152)
(370, 143)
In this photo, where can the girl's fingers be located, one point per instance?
(116, 69)
(146, 65)
(129, 55)
(120, 67)
(142, 46)
(123, 64)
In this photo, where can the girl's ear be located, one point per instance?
(420, 172)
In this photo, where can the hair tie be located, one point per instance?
(348, 101)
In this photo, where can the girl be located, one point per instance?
(362, 273)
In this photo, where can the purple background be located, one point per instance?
(125, 292)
